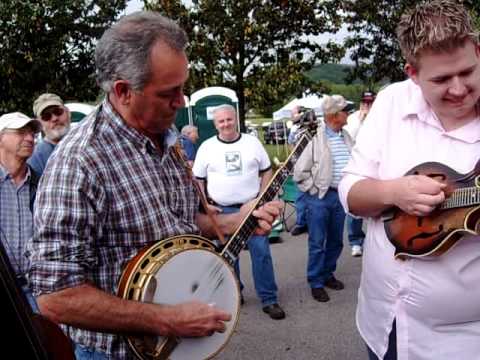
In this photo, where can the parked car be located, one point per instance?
(275, 133)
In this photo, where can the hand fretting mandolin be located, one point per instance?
(458, 215)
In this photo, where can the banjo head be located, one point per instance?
(178, 270)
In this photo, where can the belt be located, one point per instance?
(21, 280)
(232, 205)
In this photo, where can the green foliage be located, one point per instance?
(261, 49)
(48, 46)
(335, 73)
(373, 45)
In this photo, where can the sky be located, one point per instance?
(135, 5)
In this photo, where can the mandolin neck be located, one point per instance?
(239, 239)
(463, 197)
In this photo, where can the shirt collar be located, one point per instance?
(330, 132)
(416, 106)
(169, 138)
(5, 175)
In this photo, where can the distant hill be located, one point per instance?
(336, 73)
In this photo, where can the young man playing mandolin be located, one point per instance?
(116, 184)
(425, 307)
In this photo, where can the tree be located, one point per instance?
(49, 46)
(373, 45)
(258, 48)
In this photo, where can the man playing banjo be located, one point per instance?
(115, 185)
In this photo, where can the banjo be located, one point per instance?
(188, 267)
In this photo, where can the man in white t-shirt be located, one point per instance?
(233, 169)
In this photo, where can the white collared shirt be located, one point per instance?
(435, 301)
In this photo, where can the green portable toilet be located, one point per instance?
(203, 102)
(79, 110)
(183, 116)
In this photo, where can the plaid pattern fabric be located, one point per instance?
(16, 220)
(105, 194)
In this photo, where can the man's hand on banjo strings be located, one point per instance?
(196, 319)
(265, 214)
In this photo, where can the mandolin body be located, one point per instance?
(416, 236)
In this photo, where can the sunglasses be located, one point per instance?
(48, 113)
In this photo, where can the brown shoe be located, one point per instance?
(334, 284)
(274, 311)
(320, 294)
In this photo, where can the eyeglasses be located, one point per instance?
(47, 114)
(22, 131)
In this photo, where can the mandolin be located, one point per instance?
(436, 233)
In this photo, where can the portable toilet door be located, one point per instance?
(202, 104)
(183, 116)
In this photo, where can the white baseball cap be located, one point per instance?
(335, 103)
(17, 120)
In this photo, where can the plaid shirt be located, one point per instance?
(16, 220)
(105, 194)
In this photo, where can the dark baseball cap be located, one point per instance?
(368, 96)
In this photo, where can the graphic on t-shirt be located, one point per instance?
(233, 163)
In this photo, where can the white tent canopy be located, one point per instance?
(310, 102)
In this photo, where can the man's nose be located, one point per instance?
(179, 101)
(457, 87)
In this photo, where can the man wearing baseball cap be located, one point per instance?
(18, 184)
(356, 236)
(317, 173)
(55, 119)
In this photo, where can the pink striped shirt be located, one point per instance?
(435, 301)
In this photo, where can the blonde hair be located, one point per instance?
(438, 25)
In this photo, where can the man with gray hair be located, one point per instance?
(18, 185)
(425, 307)
(117, 184)
(234, 169)
(317, 173)
(55, 119)
(188, 139)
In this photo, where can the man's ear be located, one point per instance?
(412, 72)
(122, 91)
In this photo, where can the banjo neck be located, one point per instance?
(239, 239)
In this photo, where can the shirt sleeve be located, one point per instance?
(67, 219)
(264, 160)
(200, 165)
(366, 153)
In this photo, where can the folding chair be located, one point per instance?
(288, 195)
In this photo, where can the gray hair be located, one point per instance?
(224, 107)
(438, 25)
(123, 51)
(187, 129)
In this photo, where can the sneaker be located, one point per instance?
(298, 230)
(274, 311)
(320, 294)
(356, 251)
(334, 284)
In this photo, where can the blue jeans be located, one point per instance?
(325, 221)
(300, 207)
(355, 232)
(32, 301)
(84, 353)
(262, 265)
(391, 353)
